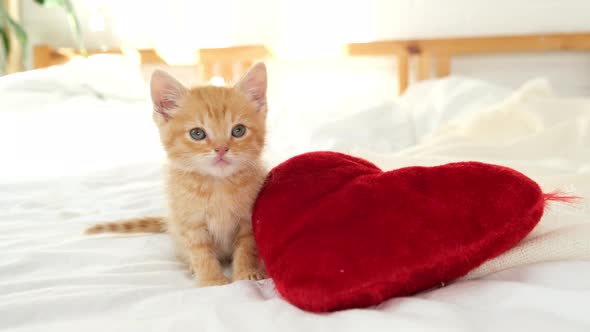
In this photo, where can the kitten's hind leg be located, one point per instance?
(245, 258)
(202, 258)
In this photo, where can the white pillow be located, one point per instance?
(393, 126)
(104, 76)
(381, 129)
(435, 102)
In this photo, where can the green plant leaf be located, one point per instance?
(51, 3)
(16, 28)
(72, 19)
(5, 41)
(5, 48)
(75, 23)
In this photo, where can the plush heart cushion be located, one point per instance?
(336, 232)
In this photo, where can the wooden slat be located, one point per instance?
(443, 65)
(377, 48)
(424, 66)
(403, 72)
(151, 56)
(227, 71)
(475, 45)
(41, 56)
(510, 44)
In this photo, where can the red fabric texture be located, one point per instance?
(336, 232)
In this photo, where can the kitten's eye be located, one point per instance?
(197, 134)
(238, 131)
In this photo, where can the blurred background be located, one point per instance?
(370, 75)
(309, 32)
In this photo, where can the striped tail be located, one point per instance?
(134, 225)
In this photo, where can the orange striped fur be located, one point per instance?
(133, 225)
(214, 175)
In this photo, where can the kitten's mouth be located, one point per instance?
(221, 162)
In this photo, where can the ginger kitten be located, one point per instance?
(213, 137)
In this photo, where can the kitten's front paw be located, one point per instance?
(249, 275)
(213, 282)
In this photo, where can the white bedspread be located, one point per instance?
(76, 160)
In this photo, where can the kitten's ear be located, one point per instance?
(253, 85)
(166, 93)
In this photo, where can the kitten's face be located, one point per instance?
(214, 131)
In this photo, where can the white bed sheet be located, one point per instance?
(74, 160)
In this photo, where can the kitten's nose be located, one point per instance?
(221, 150)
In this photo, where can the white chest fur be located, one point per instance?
(221, 205)
(215, 206)
(222, 221)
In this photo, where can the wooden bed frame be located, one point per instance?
(440, 51)
(228, 63)
(231, 62)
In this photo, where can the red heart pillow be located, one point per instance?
(336, 232)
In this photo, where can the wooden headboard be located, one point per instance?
(231, 62)
(438, 52)
(228, 63)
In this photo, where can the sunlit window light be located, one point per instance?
(217, 81)
(177, 55)
(96, 23)
(308, 50)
